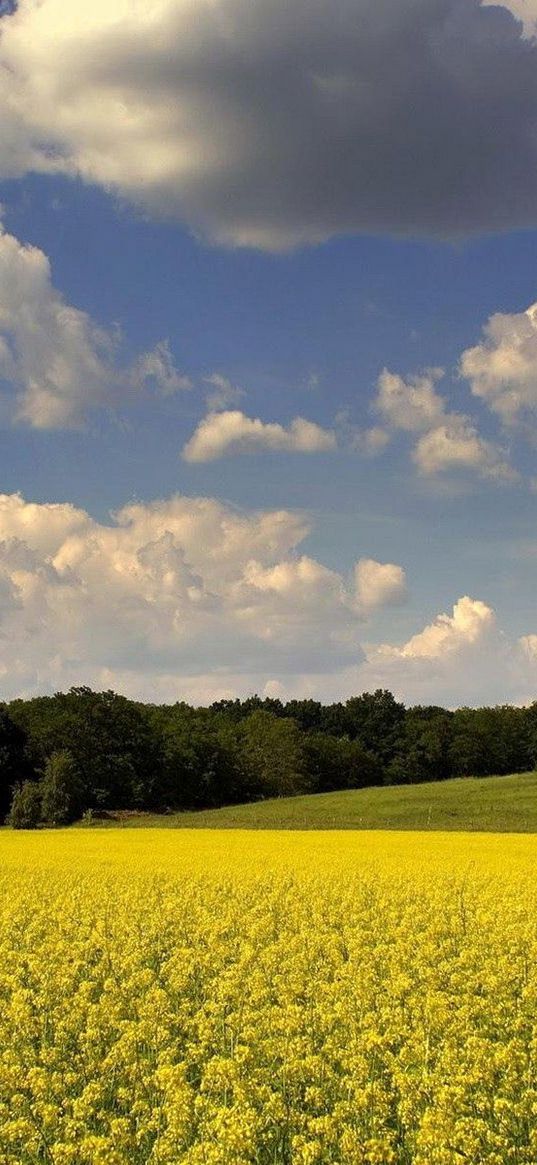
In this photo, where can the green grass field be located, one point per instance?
(492, 804)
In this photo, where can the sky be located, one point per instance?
(268, 348)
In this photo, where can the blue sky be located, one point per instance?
(183, 321)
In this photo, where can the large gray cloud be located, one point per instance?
(267, 123)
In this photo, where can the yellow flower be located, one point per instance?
(206, 998)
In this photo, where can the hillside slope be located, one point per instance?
(495, 804)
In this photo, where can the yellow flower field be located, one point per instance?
(221, 998)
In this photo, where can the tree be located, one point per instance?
(271, 756)
(110, 738)
(423, 748)
(376, 719)
(339, 763)
(14, 765)
(307, 713)
(198, 759)
(25, 812)
(530, 724)
(61, 789)
(490, 740)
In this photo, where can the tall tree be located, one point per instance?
(376, 719)
(272, 757)
(14, 761)
(62, 795)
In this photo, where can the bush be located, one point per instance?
(25, 812)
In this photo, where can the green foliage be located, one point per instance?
(25, 811)
(422, 751)
(376, 719)
(61, 789)
(198, 763)
(108, 736)
(339, 763)
(486, 740)
(14, 766)
(272, 756)
(123, 755)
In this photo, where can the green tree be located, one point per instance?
(339, 763)
(271, 756)
(530, 725)
(110, 738)
(423, 748)
(198, 758)
(61, 789)
(307, 713)
(14, 765)
(25, 811)
(489, 741)
(376, 719)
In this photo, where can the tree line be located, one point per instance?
(85, 752)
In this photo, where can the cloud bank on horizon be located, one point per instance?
(271, 125)
(189, 599)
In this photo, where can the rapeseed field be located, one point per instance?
(227, 998)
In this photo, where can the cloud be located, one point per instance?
(379, 584)
(228, 433)
(368, 442)
(266, 124)
(528, 645)
(371, 441)
(461, 658)
(187, 598)
(182, 586)
(411, 405)
(222, 392)
(458, 659)
(58, 362)
(470, 621)
(502, 369)
(156, 369)
(523, 10)
(446, 441)
(456, 445)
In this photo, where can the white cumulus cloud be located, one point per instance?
(459, 658)
(56, 363)
(187, 598)
(444, 440)
(411, 405)
(470, 621)
(184, 585)
(502, 368)
(379, 584)
(230, 432)
(456, 444)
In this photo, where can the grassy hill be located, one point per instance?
(495, 804)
